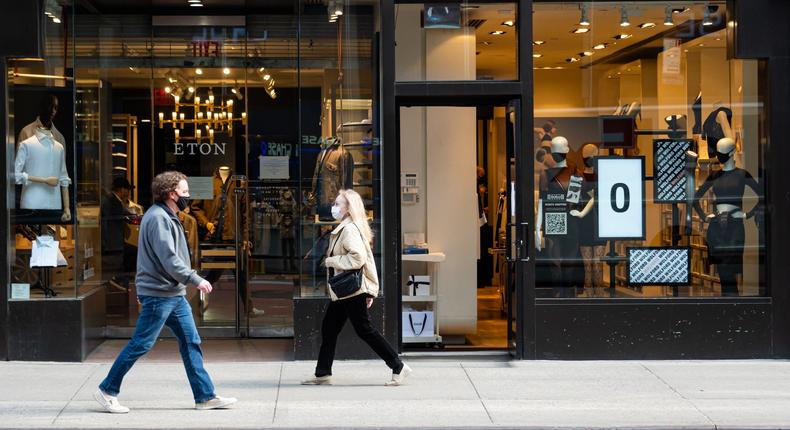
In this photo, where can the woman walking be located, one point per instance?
(349, 251)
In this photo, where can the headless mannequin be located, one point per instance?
(725, 234)
(48, 110)
(224, 174)
(591, 249)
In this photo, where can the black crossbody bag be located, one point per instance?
(349, 282)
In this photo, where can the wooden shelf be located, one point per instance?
(423, 339)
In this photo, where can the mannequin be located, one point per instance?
(677, 125)
(215, 217)
(592, 250)
(725, 233)
(560, 196)
(40, 165)
(716, 127)
(47, 110)
(696, 108)
(334, 170)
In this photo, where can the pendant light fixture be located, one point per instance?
(584, 20)
(624, 22)
(668, 16)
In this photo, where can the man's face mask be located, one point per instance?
(589, 161)
(558, 157)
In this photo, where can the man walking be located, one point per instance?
(163, 272)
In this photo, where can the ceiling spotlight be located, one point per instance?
(706, 21)
(196, 4)
(168, 89)
(572, 60)
(191, 89)
(48, 13)
(266, 77)
(647, 25)
(538, 42)
(537, 55)
(668, 16)
(622, 36)
(509, 23)
(56, 20)
(600, 46)
(226, 71)
(584, 20)
(194, 1)
(624, 22)
(580, 30)
(198, 71)
(586, 53)
(497, 33)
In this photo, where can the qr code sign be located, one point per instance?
(556, 223)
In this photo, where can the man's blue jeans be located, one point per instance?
(157, 312)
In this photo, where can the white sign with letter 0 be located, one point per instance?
(620, 198)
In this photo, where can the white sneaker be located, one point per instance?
(216, 403)
(318, 380)
(110, 403)
(397, 379)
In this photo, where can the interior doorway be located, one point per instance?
(457, 183)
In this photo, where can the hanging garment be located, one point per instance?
(43, 156)
(46, 253)
(334, 170)
(712, 131)
(219, 211)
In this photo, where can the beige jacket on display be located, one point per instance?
(349, 251)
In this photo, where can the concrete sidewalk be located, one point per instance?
(441, 394)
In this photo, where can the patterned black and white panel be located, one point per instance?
(659, 266)
(669, 158)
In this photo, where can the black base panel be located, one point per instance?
(622, 331)
(308, 315)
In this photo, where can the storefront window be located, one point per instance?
(462, 41)
(41, 165)
(649, 153)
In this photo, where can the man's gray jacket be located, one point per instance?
(163, 264)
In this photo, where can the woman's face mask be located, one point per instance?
(559, 157)
(589, 161)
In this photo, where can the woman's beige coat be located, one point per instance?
(349, 251)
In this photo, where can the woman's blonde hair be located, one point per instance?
(357, 212)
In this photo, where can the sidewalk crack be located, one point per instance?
(277, 397)
(679, 394)
(485, 408)
(73, 396)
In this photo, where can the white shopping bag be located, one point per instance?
(417, 323)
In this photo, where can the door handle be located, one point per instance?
(522, 241)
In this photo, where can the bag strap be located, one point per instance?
(332, 250)
(411, 323)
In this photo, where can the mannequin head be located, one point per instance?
(589, 152)
(725, 149)
(48, 109)
(550, 127)
(559, 149)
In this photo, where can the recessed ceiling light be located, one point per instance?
(622, 36)
(537, 55)
(586, 53)
(226, 71)
(546, 68)
(497, 33)
(572, 60)
(195, 1)
(538, 42)
(647, 25)
(706, 21)
(509, 23)
(600, 46)
(580, 30)
(701, 45)
(56, 20)
(486, 43)
(198, 71)
(196, 4)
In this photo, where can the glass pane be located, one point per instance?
(618, 86)
(339, 145)
(41, 155)
(463, 41)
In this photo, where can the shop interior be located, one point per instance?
(266, 137)
(663, 69)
